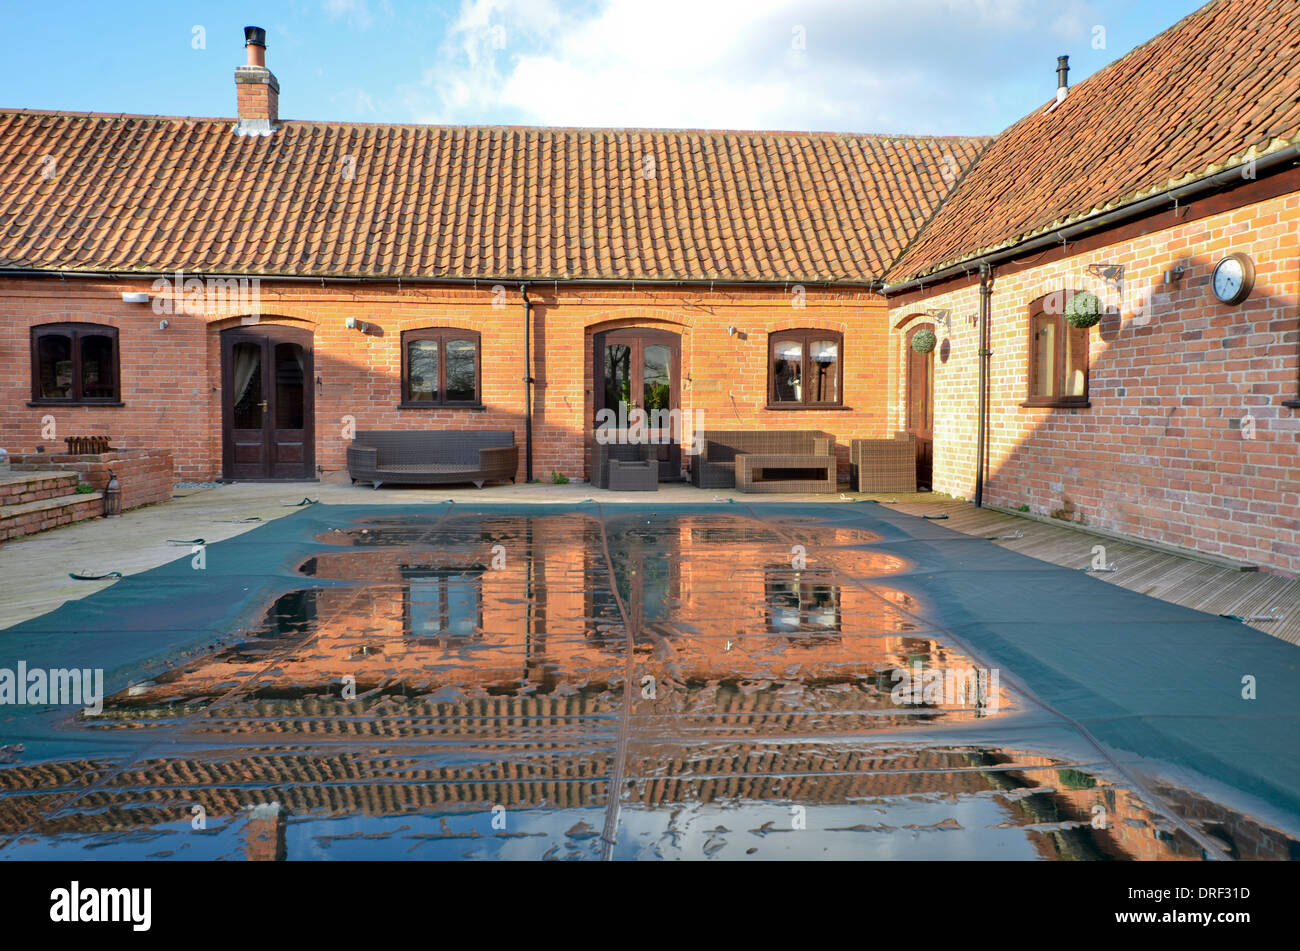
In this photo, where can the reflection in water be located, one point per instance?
(803, 602)
(442, 605)
(429, 670)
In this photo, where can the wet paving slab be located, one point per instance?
(586, 685)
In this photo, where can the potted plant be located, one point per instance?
(923, 341)
(1083, 310)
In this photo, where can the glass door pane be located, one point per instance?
(288, 386)
(247, 378)
(618, 377)
(656, 378)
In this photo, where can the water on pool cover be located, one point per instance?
(565, 687)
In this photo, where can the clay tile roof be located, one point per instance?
(87, 192)
(1219, 87)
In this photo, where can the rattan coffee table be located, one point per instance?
(749, 466)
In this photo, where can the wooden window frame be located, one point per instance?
(74, 331)
(805, 336)
(442, 335)
(1038, 308)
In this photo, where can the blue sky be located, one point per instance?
(957, 67)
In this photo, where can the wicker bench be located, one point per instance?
(884, 465)
(624, 467)
(422, 457)
(714, 466)
(749, 465)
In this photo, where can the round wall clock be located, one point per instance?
(1233, 278)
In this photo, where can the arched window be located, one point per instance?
(805, 368)
(75, 363)
(441, 367)
(1058, 354)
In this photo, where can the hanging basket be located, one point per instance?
(923, 341)
(1083, 310)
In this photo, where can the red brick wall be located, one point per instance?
(143, 475)
(1160, 453)
(171, 384)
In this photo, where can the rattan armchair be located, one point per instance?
(624, 467)
(884, 465)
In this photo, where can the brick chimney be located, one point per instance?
(257, 91)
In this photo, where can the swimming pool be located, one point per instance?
(713, 681)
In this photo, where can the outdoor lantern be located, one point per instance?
(112, 497)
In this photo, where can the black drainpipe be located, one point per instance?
(528, 385)
(986, 294)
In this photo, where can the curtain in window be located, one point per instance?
(247, 358)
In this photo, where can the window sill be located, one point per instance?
(1056, 404)
(75, 403)
(472, 406)
(807, 407)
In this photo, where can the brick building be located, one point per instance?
(412, 277)
(245, 293)
(1173, 419)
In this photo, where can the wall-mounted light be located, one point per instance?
(1110, 273)
(731, 331)
(1175, 273)
(940, 316)
(135, 297)
(164, 324)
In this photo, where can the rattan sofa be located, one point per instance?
(884, 465)
(424, 457)
(714, 466)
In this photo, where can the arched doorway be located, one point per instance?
(267, 404)
(920, 406)
(635, 368)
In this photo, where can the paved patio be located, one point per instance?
(36, 567)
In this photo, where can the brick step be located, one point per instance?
(19, 488)
(28, 518)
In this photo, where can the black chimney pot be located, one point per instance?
(1062, 70)
(255, 36)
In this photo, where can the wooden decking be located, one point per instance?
(1214, 588)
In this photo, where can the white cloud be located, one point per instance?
(883, 65)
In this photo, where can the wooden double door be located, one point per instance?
(267, 405)
(641, 369)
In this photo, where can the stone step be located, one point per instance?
(19, 488)
(28, 518)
